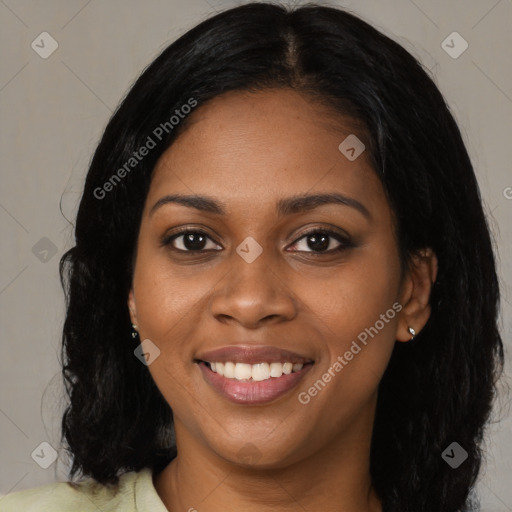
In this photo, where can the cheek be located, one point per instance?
(357, 320)
(167, 303)
(356, 293)
(166, 295)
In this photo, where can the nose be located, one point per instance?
(253, 294)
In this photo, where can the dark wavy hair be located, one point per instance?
(437, 389)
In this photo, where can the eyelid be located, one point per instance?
(323, 229)
(167, 239)
(343, 238)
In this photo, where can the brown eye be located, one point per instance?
(321, 241)
(190, 241)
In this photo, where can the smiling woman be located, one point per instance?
(298, 277)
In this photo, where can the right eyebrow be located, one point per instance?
(202, 203)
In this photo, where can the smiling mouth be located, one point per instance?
(253, 384)
(254, 372)
(250, 374)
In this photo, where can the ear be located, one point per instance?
(415, 293)
(132, 307)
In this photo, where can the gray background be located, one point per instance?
(53, 112)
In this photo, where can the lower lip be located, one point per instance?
(253, 392)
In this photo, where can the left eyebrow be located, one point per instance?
(285, 206)
(301, 203)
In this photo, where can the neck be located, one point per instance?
(334, 478)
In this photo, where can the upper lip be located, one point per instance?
(252, 354)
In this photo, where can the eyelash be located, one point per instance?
(345, 242)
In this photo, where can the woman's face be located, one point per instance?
(255, 278)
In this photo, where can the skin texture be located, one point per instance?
(248, 150)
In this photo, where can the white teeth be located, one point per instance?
(260, 371)
(229, 370)
(242, 371)
(276, 369)
(287, 368)
(256, 372)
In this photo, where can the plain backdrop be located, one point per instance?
(53, 109)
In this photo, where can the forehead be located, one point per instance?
(258, 146)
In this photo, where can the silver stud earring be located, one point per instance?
(134, 331)
(412, 332)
